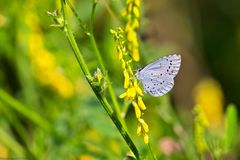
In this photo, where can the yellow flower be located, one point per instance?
(141, 104)
(120, 55)
(136, 11)
(137, 88)
(126, 80)
(3, 20)
(139, 130)
(200, 124)
(200, 116)
(137, 2)
(137, 110)
(145, 138)
(131, 35)
(86, 157)
(123, 95)
(144, 125)
(123, 64)
(132, 14)
(135, 54)
(131, 93)
(44, 62)
(135, 24)
(142, 130)
(63, 86)
(130, 69)
(38, 42)
(209, 96)
(3, 151)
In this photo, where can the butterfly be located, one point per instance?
(157, 77)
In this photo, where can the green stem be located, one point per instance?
(10, 142)
(73, 43)
(101, 99)
(97, 54)
(82, 25)
(151, 152)
(77, 52)
(100, 60)
(118, 124)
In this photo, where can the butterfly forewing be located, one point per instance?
(168, 65)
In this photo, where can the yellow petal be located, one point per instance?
(139, 129)
(124, 50)
(137, 110)
(126, 83)
(135, 24)
(120, 55)
(138, 89)
(123, 64)
(130, 68)
(113, 31)
(131, 92)
(124, 13)
(4, 151)
(145, 127)
(137, 2)
(131, 35)
(126, 80)
(130, 6)
(125, 73)
(146, 139)
(136, 11)
(123, 95)
(144, 124)
(141, 103)
(135, 54)
(128, 26)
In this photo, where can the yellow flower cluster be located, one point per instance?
(209, 96)
(4, 152)
(132, 13)
(200, 125)
(133, 92)
(44, 63)
(85, 157)
(3, 20)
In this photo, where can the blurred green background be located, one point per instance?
(47, 109)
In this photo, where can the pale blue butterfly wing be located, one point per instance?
(157, 77)
(168, 65)
(157, 86)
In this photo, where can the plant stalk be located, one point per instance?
(100, 97)
(97, 54)
(100, 60)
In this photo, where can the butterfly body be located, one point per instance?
(157, 77)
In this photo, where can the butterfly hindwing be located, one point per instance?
(157, 86)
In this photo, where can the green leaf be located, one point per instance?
(24, 110)
(230, 126)
(10, 142)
